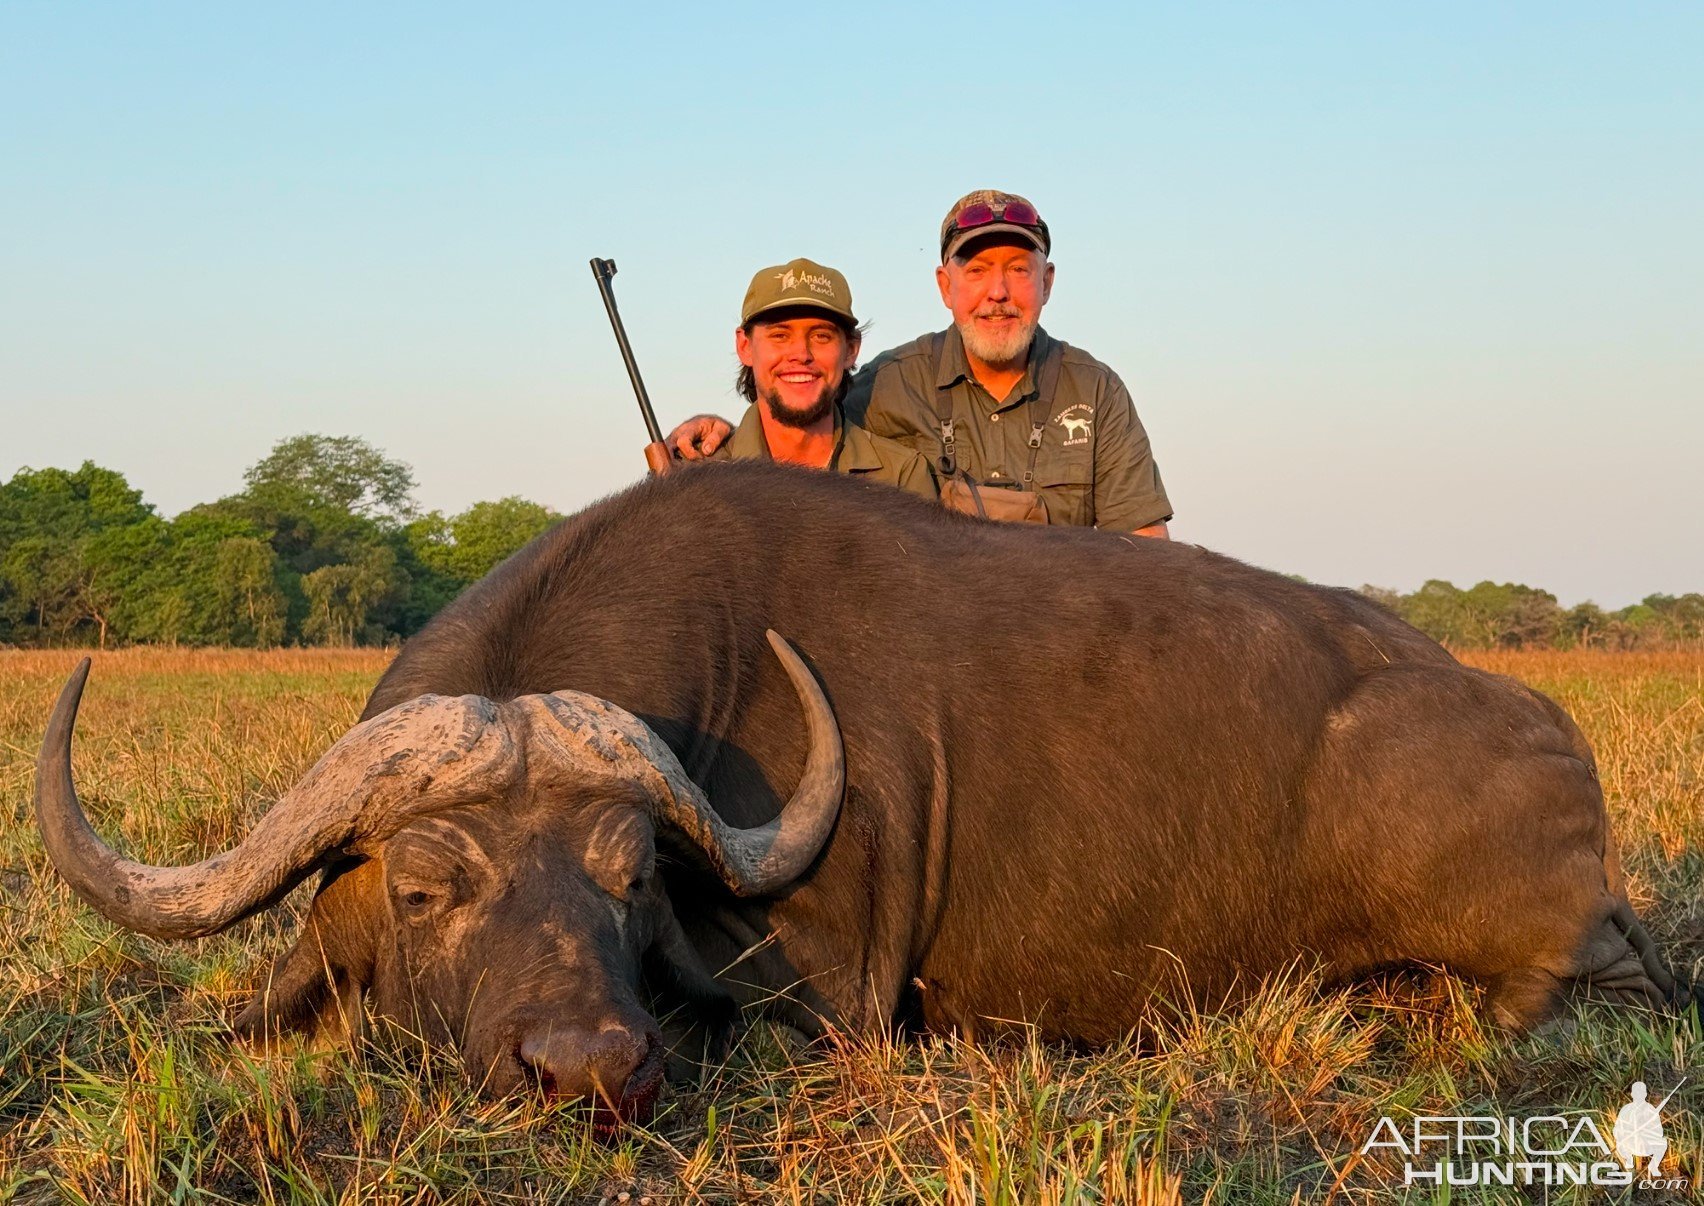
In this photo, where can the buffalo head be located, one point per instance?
(490, 879)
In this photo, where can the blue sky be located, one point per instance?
(1400, 293)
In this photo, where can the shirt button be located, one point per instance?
(996, 418)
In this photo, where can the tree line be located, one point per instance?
(323, 546)
(326, 546)
(1507, 615)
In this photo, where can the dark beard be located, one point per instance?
(802, 419)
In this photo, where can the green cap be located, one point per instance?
(799, 283)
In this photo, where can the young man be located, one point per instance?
(797, 343)
(971, 398)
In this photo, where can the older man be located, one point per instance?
(797, 342)
(1017, 423)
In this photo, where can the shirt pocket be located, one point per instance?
(1067, 484)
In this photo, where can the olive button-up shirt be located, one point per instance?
(1094, 466)
(856, 451)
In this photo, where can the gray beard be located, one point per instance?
(997, 352)
(812, 415)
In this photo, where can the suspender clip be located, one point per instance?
(947, 463)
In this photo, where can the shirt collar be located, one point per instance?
(954, 366)
(747, 442)
(853, 446)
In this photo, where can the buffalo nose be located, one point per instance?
(574, 1062)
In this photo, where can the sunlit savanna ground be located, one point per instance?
(117, 1085)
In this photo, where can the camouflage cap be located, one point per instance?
(798, 283)
(986, 212)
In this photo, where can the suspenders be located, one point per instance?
(1047, 389)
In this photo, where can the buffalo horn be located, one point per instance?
(750, 861)
(431, 752)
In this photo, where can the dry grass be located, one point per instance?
(117, 1084)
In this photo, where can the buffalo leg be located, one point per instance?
(1453, 820)
(1520, 1000)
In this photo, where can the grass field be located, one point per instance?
(117, 1085)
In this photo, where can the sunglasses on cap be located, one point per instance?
(1018, 213)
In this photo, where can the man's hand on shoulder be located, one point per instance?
(699, 437)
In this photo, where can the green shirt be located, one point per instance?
(1093, 467)
(856, 451)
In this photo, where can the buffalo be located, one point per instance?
(1011, 774)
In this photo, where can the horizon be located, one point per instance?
(1399, 295)
(1404, 589)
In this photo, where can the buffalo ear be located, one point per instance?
(315, 988)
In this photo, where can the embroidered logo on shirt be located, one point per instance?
(1076, 421)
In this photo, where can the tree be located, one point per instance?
(333, 473)
(39, 573)
(1490, 615)
(251, 604)
(61, 504)
(1585, 626)
(170, 615)
(424, 551)
(1510, 615)
(1439, 610)
(442, 556)
(1386, 598)
(1681, 619)
(321, 502)
(469, 545)
(1637, 627)
(70, 547)
(60, 564)
(342, 597)
(118, 574)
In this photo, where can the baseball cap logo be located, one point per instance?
(799, 282)
(791, 281)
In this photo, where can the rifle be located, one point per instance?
(656, 452)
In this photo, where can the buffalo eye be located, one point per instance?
(620, 854)
(415, 902)
(626, 889)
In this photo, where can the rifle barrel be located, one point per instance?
(603, 270)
